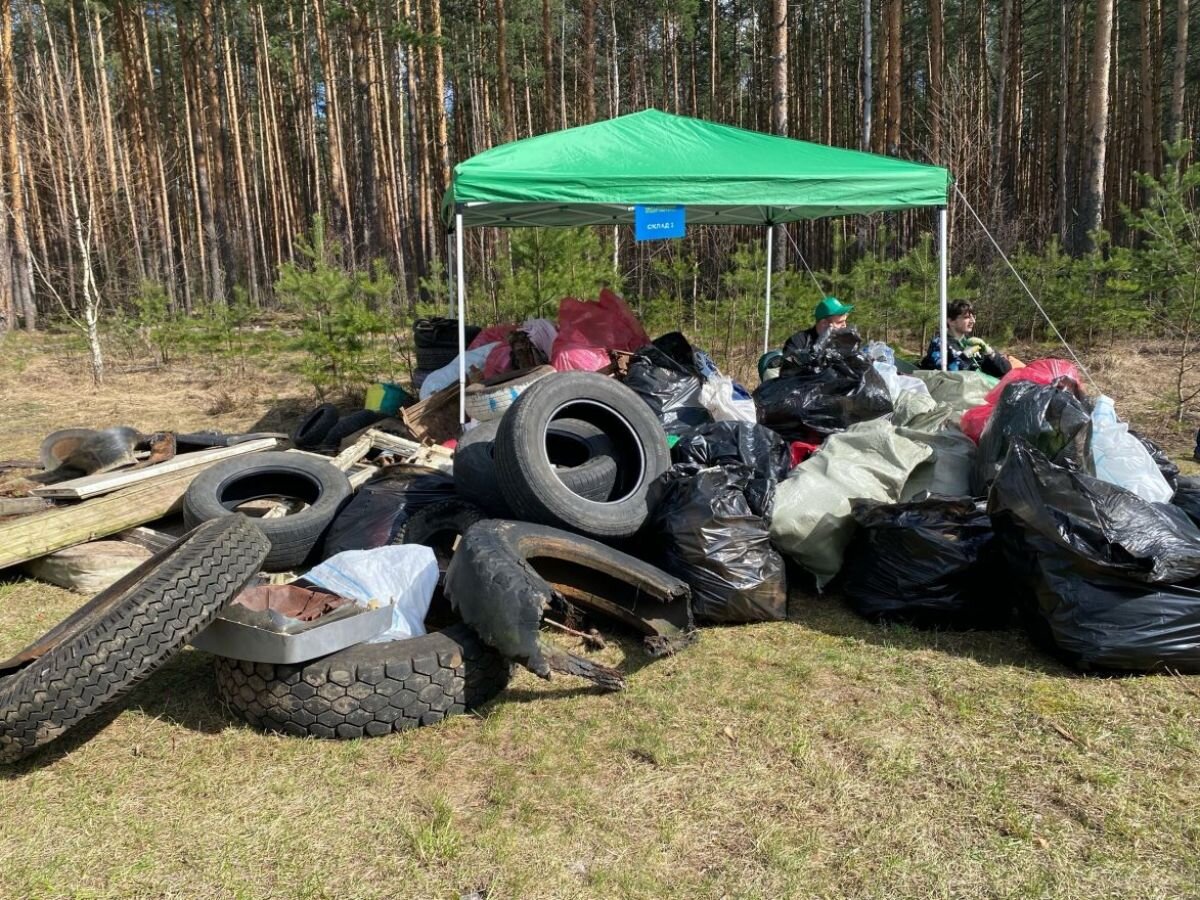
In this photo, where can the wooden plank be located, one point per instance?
(32, 536)
(352, 454)
(22, 506)
(361, 474)
(440, 459)
(95, 485)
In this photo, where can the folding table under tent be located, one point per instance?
(722, 175)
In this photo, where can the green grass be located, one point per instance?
(818, 757)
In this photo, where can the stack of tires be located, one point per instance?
(436, 343)
(574, 450)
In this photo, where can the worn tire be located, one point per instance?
(366, 690)
(490, 400)
(218, 491)
(434, 358)
(126, 633)
(58, 445)
(530, 484)
(588, 466)
(347, 425)
(310, 433)
(439, 524)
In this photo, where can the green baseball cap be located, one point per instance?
(831, 306)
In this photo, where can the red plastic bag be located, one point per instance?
(587, 331)
(800, 451)
(1042, 371)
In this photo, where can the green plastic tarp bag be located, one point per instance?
(812, 522)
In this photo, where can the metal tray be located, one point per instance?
(271, 638)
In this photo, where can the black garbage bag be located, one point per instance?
(725, 443)
(929, 563)
(670, 387)
(824, 388)
(1187, 497)
(1169, 470)
(708, 535)
(1110, 580)
(377, 514)
(1055, 418)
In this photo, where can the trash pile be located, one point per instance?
(384, 568)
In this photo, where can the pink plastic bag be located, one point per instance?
(498, 361)
(491, 334)
(1042, 371)
(587, 331)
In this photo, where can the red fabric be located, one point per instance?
(492, 333)
(587, 331)
(1042, 371)
(801, 450)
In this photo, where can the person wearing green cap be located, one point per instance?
(829, 314)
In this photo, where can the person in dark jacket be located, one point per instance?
(966, 352)
(828, 315)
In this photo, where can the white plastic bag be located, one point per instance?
(1121, 459)
(404, 575)
(717, 397)
(448, 374)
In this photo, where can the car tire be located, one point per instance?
(97, 655)
(490, 400)
(347, 425)
(584, 453)
(367, 690)
(440, 524)
(534, 490)
(219, 490)
(310, 433)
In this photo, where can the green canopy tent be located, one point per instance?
(722, 175)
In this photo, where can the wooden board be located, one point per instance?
(96, 485)
(36, 535)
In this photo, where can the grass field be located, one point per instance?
(818, 757)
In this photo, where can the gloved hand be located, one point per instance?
(974, 347)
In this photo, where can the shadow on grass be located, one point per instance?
(829, 614)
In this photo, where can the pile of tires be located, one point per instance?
(574, 450)
(436, 345)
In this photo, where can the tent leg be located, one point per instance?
(462, 321)
(767, 318)
(943, 265)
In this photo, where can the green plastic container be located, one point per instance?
(386, 398)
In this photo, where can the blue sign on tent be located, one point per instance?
(657, 223)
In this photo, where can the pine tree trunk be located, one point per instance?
(21, 268)
(1097, 127)
(866, 77)
(894, 67)
(503, 82)
(936, 62)
(587, 40)
(1180, 73)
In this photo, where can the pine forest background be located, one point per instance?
(165, 162)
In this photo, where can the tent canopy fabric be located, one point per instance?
(595, 175)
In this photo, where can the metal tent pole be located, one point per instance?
(767, 319)
(462, 320)
(943, 265)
